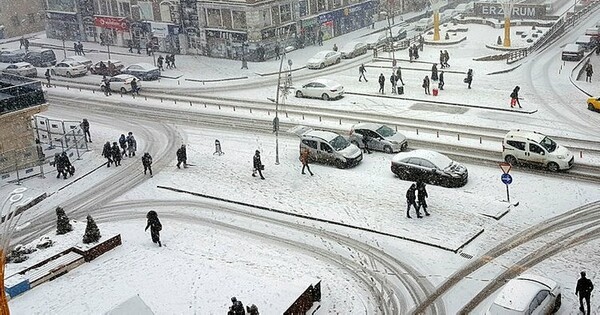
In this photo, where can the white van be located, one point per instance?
(572, 52)
(522, 146)
(327, 147)
(586, 42)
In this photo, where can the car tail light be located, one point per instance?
(333, 90)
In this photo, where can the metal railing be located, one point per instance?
(18, 92)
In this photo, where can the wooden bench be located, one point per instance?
(54, 268)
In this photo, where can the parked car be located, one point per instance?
(323, 59)
(430, 167)
(573, 52)
(594, 103)
(328, 147)
(399, 33)
(527, 294)
(144, 71)
(12, 56)
(522, 146)
(108, 68)
(22, 68)
(381, 137)
(353, 49)
(375, 40)
(69, 69)
(423, 24)
(122, 83)
(41, 58)
(321, 88)
(88, 63)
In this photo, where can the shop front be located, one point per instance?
(112, 30)
(308, 31)
(62, 25)
(225, 44)
(164, 36)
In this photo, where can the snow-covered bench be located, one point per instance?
(53, 268)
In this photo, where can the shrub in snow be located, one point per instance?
(62, 222)
(92, 233)
(529, 40)
(447, 37)
(533, 27)
(19, 254)
(44, 242)
(499, 41)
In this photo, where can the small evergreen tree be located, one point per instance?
(92, 233)
(62, 222)
(447, 37)
(499, 41)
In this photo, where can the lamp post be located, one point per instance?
(391, 40)
(284, 94)
(244, 49)
(11, 217)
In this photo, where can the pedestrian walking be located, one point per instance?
(135, 89)
(66, 164)
(116, 154)
(85, 126)
(154, 225)
(446, 58)
(304, 157)
(381, 83)
(182, 156)
(361, 72)
(415, 51)
(137, 47)
(123, 145)
(277, 52)
(131, 144)
(258, 166)
(442, 59)
(421, 42)
(434, 72)
(147, 163)
(21, 42)
(168, 61)
(441, 81)
(76, 48)
(393, 81)
(584, 291)
(130, 46)
(426, 85)
(80, 48)
(411, 55)
(159, 62)
(365, 141)
(320, 37)
(105, 85)
(26, 44)
(61, 167)
(173, 61)
(48, 76)
(411, 201)
(514, 97)
(107, 153)
(589, 71)
(469, 78)
(422, 195)
(399, 76)
(237, 308)
(335, 47)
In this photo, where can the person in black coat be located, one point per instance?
(361, 72)
(422, 195)
(365, 141)
(61, 165)
(434, 72)
(237, 307)
(116, 154)
(426, 85)
(469, 78)
(154, 225)
(584, 290)
(441, 81)
(393, 81)
(410, 201)
(381, 83)
(85, 125)
(107, 153)
(514, 97)
(399, 76)
(258, 166)
(182, 156)
(123, 145)
(147, 163)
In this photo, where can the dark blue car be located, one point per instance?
(143, 71)
(12, 56)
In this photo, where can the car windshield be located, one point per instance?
(385, 131)
(548, 144)
(339, 143)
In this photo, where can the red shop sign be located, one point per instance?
(115, 23)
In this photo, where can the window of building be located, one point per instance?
(124, 8)
(336, 4)
(14, 20)
(61, 5)
(239, 19)
(103, 8)
(265, 15)
(285, 13)
(145, 8)
(213, 18)
(303, 6)
(321, 5)
(312, 6)
(226, 14)
(165, 12)
(275, 14)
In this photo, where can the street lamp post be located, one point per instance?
(284, 94)
(391, 41)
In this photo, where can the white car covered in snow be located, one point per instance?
(527, 294)
(323, 59)
(69, 69)
(321, 88)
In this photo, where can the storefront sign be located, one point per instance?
(360, 7)
(519, 11)
(160, 30)
(115, 23)
(66, 17)
(325, 17)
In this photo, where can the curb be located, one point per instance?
(216, 80)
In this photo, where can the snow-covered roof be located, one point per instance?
(322, 134)
(369, 126)
(527, 134)
(438, 159)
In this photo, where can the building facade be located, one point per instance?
(20, 17)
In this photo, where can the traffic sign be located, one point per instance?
(505, 167)
(506, 179)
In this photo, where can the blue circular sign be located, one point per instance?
(506, 179)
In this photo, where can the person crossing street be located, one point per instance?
(182, 156)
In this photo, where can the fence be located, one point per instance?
(54, 136)
(305, 301)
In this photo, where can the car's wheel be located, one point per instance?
(325, 97)
(557, 303)
(511, 160)
(299, 94)
(553, 167)
(590, 106)
(322, 66)
(340, 164)
(123, 90)
(69, 74)
(338, 60)
(387, 149)
(53, 72)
